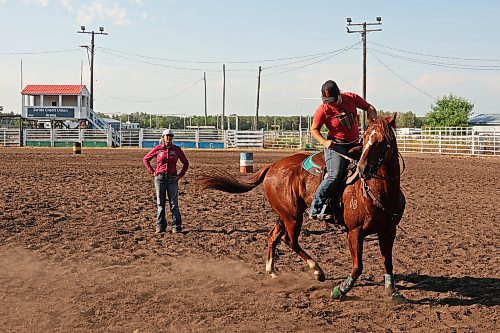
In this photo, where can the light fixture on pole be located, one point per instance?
(101, 32)
(363, 32)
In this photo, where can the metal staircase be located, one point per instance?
(98, 123)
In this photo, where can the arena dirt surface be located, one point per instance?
(78, 252)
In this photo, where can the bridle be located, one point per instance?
(373, 168)
(372, 173)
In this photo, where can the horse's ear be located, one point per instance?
(392, 120)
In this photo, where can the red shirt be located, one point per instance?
(166, 160)
(342, 120)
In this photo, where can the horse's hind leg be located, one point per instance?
(386, 242)
(273, 239)
(292, 239)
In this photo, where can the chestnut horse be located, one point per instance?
(373, 204)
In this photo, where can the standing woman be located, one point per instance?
(167, 179)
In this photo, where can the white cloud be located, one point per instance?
(137, 2)
(41, 3)
(102, 9)
(66, 4)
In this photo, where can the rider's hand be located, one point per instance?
(328, 144)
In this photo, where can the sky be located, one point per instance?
(156, 53)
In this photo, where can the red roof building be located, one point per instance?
(56, 101)
(53, 89)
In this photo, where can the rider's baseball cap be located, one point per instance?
(168, 131)
(330, 92)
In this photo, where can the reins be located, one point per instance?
(374, 175)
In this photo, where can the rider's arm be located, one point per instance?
(371, 112)
(315, 132)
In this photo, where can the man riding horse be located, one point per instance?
(339, 114)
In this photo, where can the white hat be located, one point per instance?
(168, 131)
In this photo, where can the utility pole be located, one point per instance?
(101, 32)
(256, 121)
(363, 32)
(205, 84)
(223, 96)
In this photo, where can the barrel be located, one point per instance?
(77, 148)
(246, 162)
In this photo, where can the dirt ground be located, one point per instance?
(78, 252)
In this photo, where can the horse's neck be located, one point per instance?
(389, 170)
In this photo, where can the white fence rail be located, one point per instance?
(453, 141)
(10, 137)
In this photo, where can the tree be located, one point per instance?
(449, 111)
(404, 119)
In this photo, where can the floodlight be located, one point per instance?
(101, 29)
(82, 27)
(348, 20)
(379, 19)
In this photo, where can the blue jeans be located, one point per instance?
(167, 186)
(336, 166)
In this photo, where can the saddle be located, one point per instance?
(334, 206)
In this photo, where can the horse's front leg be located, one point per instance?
(355, 242)
(386, 242)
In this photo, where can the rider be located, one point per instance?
(339, 114)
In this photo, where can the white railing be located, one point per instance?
(10, 137)
(460, 141)
(244, 139)
(284, 140)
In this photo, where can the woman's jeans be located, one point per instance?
(336, 166)
(167, 186)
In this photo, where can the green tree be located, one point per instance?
(450, 111)
(404, 119)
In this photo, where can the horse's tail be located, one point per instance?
(224, 181)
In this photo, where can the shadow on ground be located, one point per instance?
(483, 291)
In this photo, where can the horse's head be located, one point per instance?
(379, 144)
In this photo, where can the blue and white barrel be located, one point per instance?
(246, 162)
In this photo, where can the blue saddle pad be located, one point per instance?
(310, 166)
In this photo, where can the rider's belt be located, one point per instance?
(329, 137)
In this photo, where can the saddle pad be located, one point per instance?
(310, 166)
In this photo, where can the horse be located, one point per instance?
(373, 204)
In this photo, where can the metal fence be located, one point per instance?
(10, 137)
(453, 141)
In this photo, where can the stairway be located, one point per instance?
(98, 123)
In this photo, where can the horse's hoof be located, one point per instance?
(320, 276)
(273, 275)
(337, 293)
(398, 299)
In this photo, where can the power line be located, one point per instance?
(434, 56)
(305, 58)
(304, 66)
(225, 62)
(322, 55)
(153, 100)
(441, 64)
(315, 62)
(399, 76)
(39, 52)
